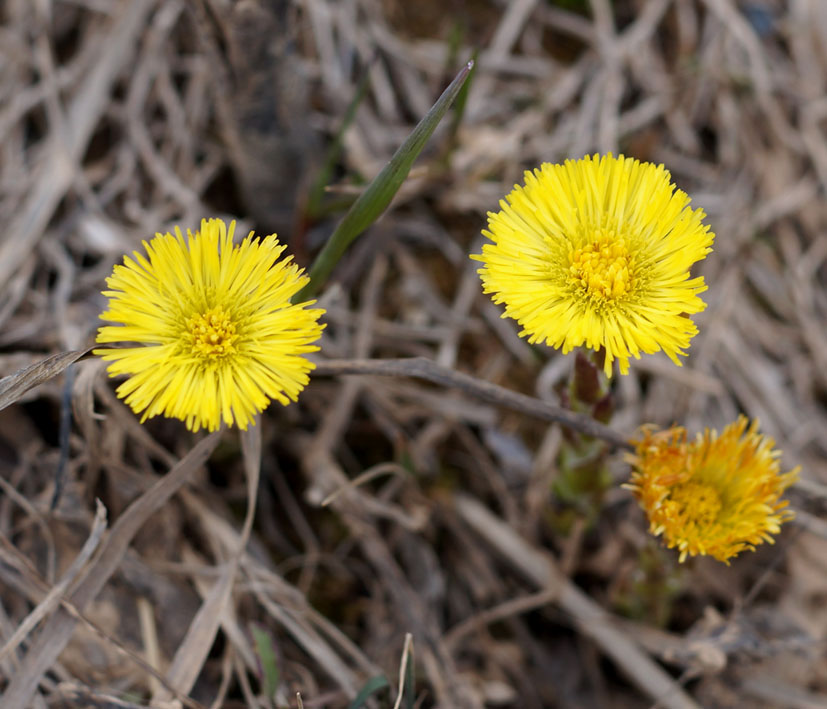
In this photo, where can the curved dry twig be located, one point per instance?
(423, 368)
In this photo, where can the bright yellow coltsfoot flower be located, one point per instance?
(217, 337)
(597, 252)
(716, 495)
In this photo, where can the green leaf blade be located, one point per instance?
(266, 654)
(378, 195)
(372, 686)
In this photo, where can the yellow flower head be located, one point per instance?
(217, 335)
(597, 252)
(716, 495)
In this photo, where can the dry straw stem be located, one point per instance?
(407, 657)
(285, 605)
(26, 578)
(57, 631)
(192, 652)
(58, 170)
(422, 368)
(55, 593)
(589, 617)
(411, 609)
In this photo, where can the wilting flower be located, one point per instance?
(716, 495)
(597, 252)
(216, 335)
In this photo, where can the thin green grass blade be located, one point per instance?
(266, 655)
(314, 201)
(374, 200)
(372, 686)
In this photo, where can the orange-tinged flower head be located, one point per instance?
(716, 495)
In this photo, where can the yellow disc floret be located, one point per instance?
(600, 270)
(597, 252)
(216, 336)
(212, 333)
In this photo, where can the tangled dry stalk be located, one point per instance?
(385, 505)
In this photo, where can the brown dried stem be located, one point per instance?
(423, 368)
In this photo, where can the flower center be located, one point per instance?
(603, 268)
(695, 503)
(212, 334)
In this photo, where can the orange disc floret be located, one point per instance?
(714, 495)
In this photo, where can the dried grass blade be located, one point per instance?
(590, 618)
(406, 674)
(56, 633)
(192, 652)
(15, 385)
(53, 598)
(57, 172)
